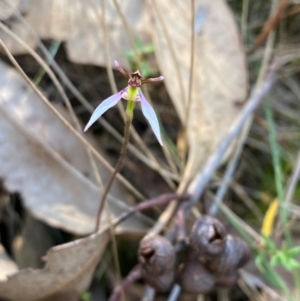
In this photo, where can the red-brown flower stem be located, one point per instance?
(133, 276)
(117, 168)
(180, 222)
(157, 201)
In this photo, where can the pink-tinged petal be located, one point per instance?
(120, 69)
(103, 107)
(153, 79)
(150, 116)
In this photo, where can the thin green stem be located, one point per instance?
(279, 281)
(278, 173)
(118, 166)
(280, 189)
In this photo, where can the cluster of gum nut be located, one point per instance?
(211, 259)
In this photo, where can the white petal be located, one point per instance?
(103, 107)
(150, 116)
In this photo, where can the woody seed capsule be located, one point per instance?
(157, 258)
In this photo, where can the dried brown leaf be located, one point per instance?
(79, 23)
(48, 165)
(219, 83)
(32, 243)
(67, 274)
(8, 8)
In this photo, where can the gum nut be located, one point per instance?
(208, 236)
(160, 283)
(194, 278)
(236, 255)
(227, 280)
(156, 255)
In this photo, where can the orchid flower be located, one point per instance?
(132, 93)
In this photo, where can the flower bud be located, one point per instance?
(157, 258)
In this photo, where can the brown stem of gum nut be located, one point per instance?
(157, 258)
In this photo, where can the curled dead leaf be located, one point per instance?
(67, 274)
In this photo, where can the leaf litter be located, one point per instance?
(42, 165)
(220, 76)
(7, 265)
(78, 23)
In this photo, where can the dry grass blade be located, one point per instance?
(270, 25)
(254, 282)
(229, 173)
